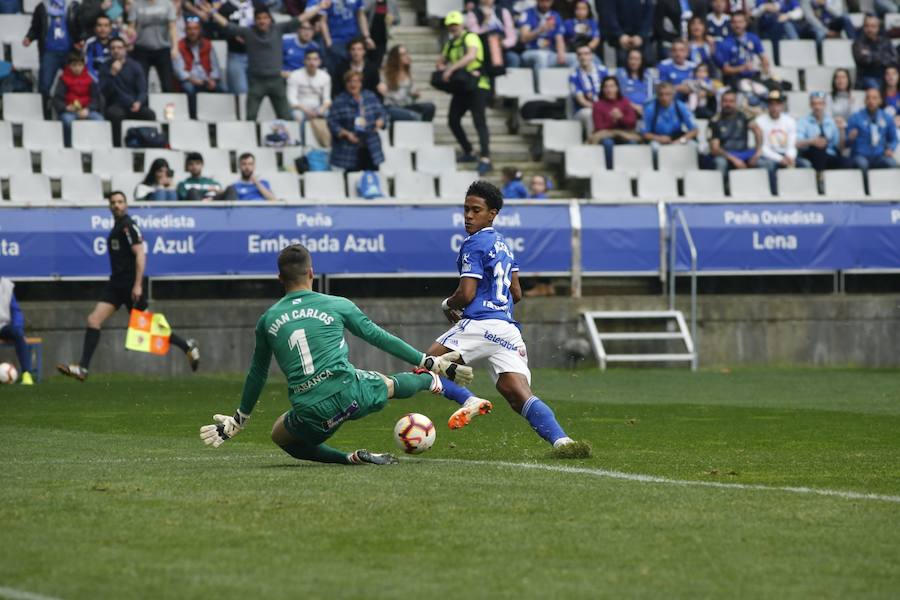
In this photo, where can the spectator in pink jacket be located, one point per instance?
(488, 17)
(614, 119)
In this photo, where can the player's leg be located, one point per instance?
(305, 447)
(104, 309)
(471, 404)
(190, 347)
(17, 336)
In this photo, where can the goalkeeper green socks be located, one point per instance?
(321, 453)
(409, 384)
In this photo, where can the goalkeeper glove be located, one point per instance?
(225, 429)
(446, 365)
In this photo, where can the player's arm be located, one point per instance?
(515, 288)
(226, 427)
(464, 294)
(136, 241)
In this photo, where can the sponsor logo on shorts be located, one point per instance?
(500, 341)
(341, 416)
(522, 351)
(308, 385)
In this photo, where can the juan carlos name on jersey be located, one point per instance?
(296, 315)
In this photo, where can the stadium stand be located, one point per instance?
(609, 186)
(56, 162)
(14, 161)
(91, 135)
(29, 187)
(582, 161)
(657, 185)
(749, 184)
(797, 183)
(703, 186)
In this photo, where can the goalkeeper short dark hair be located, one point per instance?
(294, 263)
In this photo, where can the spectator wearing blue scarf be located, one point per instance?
(54, 25)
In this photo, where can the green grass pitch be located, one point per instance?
(107, 492)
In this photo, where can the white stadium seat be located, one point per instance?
(414, 185)
(6, 134)
(108, 162)
(453, 184)
(838, 53)
(61, 161)
(385, 136)
(14, 161)
(22, 107)
(632, 159)
(413, 134)
(13, 28)
(892, 20)
(216, 160)
(29, 187)
(703, 186)
(179, 107)
(797, 53)
(83, 188)
(266, 159)
(516, 83)
(848, 184)
(40, 135)
(789, 74)
(796, 183)
(324, 185)
(397, 160)
(611, 186)
(657, 185)
(91, 135)
(749, 184)
(435, 160)
(584, 161)
(678, 158)
(556, 136)
(818, 79)
(126, 183)
(438, 9)
(553, 82)
(284, 185)
(189, 135)
(25, 59)
(238, 135)
(175, 158)
(884, 183)
(769, 50)
(215, 107)
(797, 104)
(29, 5)
(220, 47)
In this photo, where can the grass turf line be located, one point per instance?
(109, 493)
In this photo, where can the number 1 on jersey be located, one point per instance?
(501, 277)
(298, 342)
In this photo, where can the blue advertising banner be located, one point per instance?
(872, 234)
(620, 239)
(43, 242)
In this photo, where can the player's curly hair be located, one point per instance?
(488, 192)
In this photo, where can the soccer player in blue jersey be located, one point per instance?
(482, 310)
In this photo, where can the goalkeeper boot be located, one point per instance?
(364, 457)
(193, 354)
(568, 448)
(473, 407)
(436, 386)
(75, 371)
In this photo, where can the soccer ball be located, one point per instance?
(414, 433)
(8, 374)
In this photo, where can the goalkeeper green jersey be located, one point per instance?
(305, 332)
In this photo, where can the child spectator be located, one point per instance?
(490, 18)
(702, 97)
(77, 96)
(718, 22)
(538, 188)
(582, 30)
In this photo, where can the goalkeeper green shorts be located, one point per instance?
(317, 422)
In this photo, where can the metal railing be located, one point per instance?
(677, 220)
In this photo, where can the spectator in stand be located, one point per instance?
(541, 31)
(309, 94)
(741, 59)
(354, 121)
(841, 102)
(778, 20)
(156, 35)
(490, 17)
(701, 46)
(197, 187)
(818, 138)
(614, 119)
(581, 30)
(239, 13)
(249, 186)
(728, 133)
(77, 96)
(12, 328)
(295, 46)
(718, 21)
(460, 65)
(399, 93)
(124, 88)
(54, 25)
(667, 120)
(635, 81)
(96, 47)
(702, 97)
(629, 25)
(264, 52)
(873, 53)
(678, 70)
(381, 15)
(158, 183)
(671, 18)
(890, 92)
(537, 190)
(584, 86)
(873, 135)
(513, 188)
(358, 63)
(779, 140)
(827, 18)
(196, 65)
(345, 20)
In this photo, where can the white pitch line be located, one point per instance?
(847, 495)
(14, 594)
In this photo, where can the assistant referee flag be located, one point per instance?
(148, 332)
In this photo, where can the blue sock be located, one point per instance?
(542, 420)
(455, 392)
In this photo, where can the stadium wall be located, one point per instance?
(834, 330)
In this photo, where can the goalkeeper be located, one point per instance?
(305, 332)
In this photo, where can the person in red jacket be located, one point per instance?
(614, 119)
(196, 66)
(77, 96)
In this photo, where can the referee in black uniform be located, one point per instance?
(128, 260)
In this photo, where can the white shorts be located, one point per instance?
(500, 342)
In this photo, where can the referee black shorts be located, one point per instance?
(118, 293)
